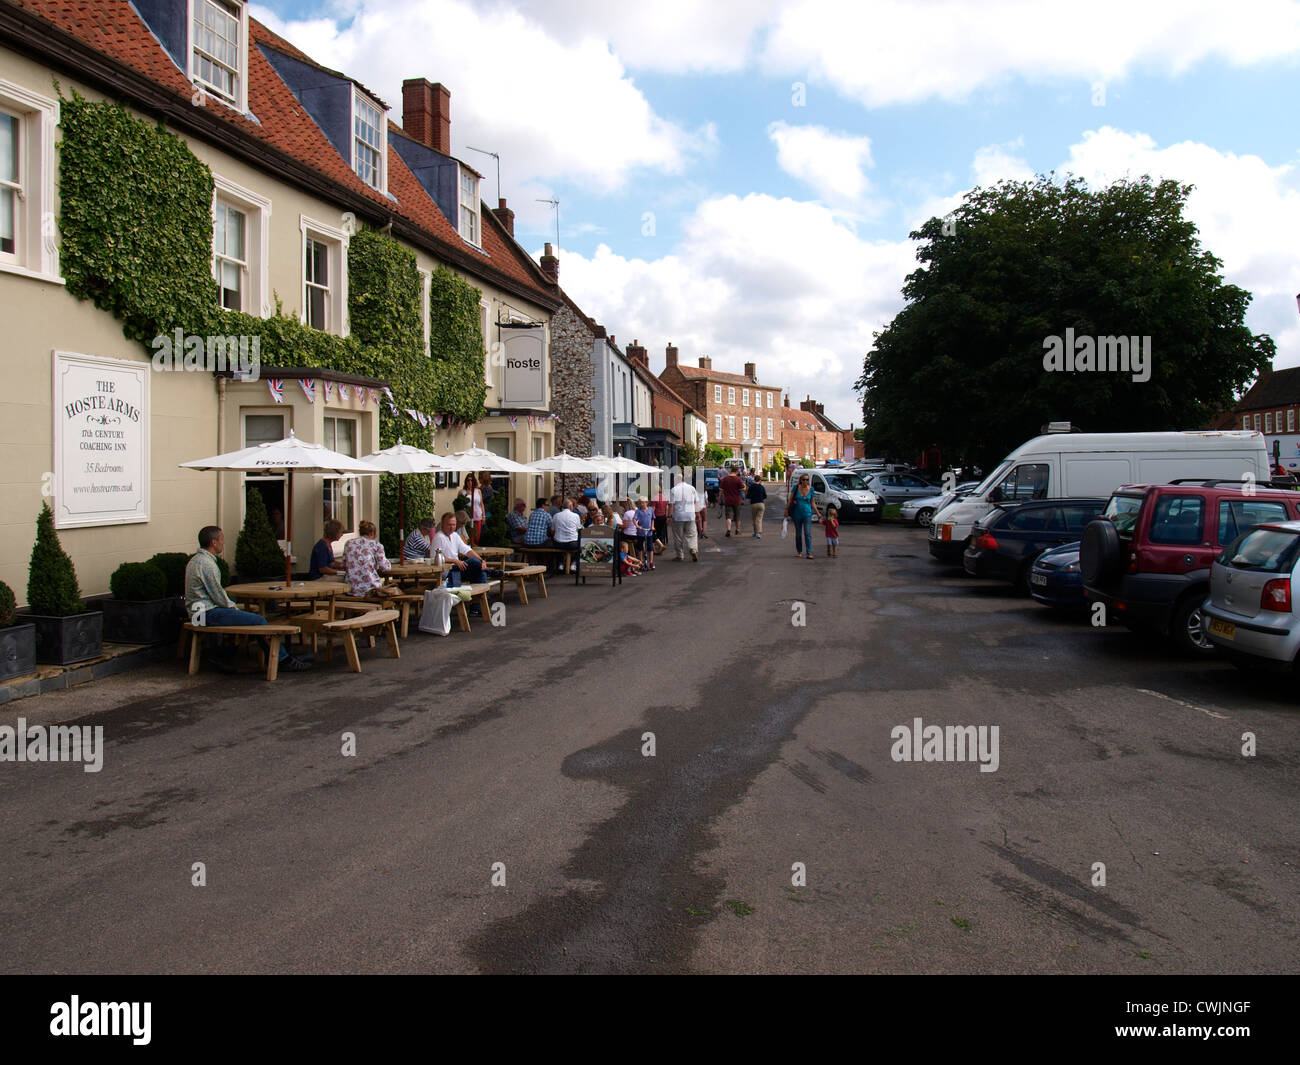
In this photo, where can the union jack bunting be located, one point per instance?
(329, 391)
(374, 398)
(308, 389)
(345, 393)
(389, 393)
(437, 420)
(514, 421)
(276, 385)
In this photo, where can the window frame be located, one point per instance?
(361, 98)
(717, 393)
(744, 397)
(36, 250)
(1290, 419)
(476, 209)
(731, 427)
(240, 99)
(1257, 423)
(717, 426)
(1268, 421)
(257, 241)
(337, 240)
(731, 396)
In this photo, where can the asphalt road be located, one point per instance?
(523, 745)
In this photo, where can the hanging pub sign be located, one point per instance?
(101, 441)
(523, 382)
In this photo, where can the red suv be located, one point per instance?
(1148, 556)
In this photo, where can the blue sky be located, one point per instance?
(780, 215)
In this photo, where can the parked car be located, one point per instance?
(1149, 556)
(1055, 578)
(900, 487)
(1058, 465)
(922, 510)
(1005, 544)
(1250, 613)
(847, 493)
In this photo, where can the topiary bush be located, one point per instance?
(8, 606)
(257, 552)
(138, 582)
(173, 563)
(52, 589)
(494, 528)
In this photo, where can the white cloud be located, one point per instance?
(756, 279)
(552, 109)
(834, 164)
(995, 162)
(903, 51)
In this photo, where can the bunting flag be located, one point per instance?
(437, 420)
(308, 388)
(345, 393)
(393, 410)
(424, 419)
(514, 421)
(329, 391)
(389, 393)
(414, 414)
(277, 388)
(374, 398)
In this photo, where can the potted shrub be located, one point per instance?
(257, 552)
(141, 610)
(66, 631)
(173, 563)
(17, 642)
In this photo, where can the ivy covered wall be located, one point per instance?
(136, 203)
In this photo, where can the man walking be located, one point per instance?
(686, 504)
(733, 489)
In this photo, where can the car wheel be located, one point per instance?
(924, 516)
(1186, 626)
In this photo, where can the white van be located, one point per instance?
(1061, 465)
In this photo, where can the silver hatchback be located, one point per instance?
(1250, 613)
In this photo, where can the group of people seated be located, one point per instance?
(556, 523)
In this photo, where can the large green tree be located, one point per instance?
(962, 364)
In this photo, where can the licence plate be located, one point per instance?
(1226, 629)
(1038, 578)
(945, 532)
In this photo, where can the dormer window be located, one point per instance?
(469, 207)
(219, 50)
(369, 142)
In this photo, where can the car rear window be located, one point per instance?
(1078, 517)
(1267, 550)
(1178, 520)
(1036, 519)
(1123, 512)
(1236, 516)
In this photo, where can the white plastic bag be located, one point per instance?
(785, 528)
(435, 611)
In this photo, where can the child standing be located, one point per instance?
(832, 527)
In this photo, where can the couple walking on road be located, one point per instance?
(736, 490)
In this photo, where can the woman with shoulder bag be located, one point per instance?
(800, 509)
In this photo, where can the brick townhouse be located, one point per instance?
(740, 414)
(809, 434)
(1271, 407)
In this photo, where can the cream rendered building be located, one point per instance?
(293, 199)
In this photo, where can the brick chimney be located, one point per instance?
(706, 363)
(426, 113)
(551, 266)
(637, 353)
(751, 371)
(670, 356)
(787, 399)
(505, 216)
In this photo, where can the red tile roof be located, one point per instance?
(719, 376)
(114, 29)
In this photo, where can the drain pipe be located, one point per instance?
(221, 437)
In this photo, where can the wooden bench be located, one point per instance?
(478, 593)
(520, 573)
(366, 621)
(273, 633)
(545, 553)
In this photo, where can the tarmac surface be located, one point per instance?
(503, 812)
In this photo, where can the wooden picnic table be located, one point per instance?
(415, 571)
(271, 592)
(494, 552)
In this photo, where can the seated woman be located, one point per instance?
(322, 555)
(364, 560)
